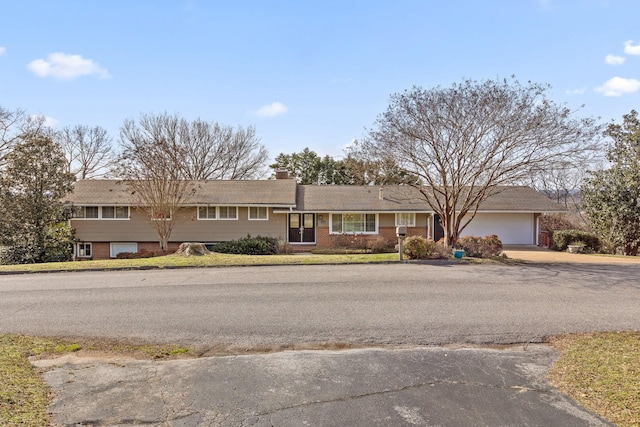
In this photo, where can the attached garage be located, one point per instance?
(511, 228)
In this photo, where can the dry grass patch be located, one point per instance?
(601, 371)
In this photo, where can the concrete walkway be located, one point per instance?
(536, 254)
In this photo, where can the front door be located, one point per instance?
(302, 228)
(438, 231)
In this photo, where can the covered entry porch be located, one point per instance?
(301, 228)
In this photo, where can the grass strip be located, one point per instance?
(601, 371)
(24, 395)
(212, 260)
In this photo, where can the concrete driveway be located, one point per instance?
(537, 254)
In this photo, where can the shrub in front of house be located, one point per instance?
(561, 221)
(357, 243)
(140, 254)
(379, 245)
(561, 239)
(417, 247)
(480, 247)
(249, 246)
(349, 241)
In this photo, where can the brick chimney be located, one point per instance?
(282, 173)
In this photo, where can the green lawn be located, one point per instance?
(212, 260)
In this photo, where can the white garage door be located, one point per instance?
(512, 229)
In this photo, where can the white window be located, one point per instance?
(406, 218)
(100, 212)
(258, 213)
(227, 212)
(85, 212)
(84, 250)
(352, 223)
(115, 212)
(207, 212)
(217, 212)
(116, 248)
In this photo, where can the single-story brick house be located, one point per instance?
(107, 222)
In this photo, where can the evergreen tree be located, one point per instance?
(307, 167)
(611, 197)
(32, 186)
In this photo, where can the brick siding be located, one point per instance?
(326, 240)
(102, 250)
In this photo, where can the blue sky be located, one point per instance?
(305, 74)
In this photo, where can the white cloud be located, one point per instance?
(576, 91)
(614, 60)
(46, 120)
(3, 50)
(271, 110)
(618, 86)
(62, 66)
(630, 49)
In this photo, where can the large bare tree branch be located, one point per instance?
(88, 150)
(163, 155)
(467, 142)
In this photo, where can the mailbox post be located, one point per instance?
(401, 233)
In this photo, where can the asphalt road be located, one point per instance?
(263, 307)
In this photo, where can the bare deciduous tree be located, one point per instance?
(153, 177)
(88, 150)
(214, 151)
(162, 156)
(467, 142)
(15, 124)
(9, 122)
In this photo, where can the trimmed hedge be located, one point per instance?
(560, 239)
(249, 246)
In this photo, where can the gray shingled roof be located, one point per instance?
(354, 198)
(402, 198)
(280, 193)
